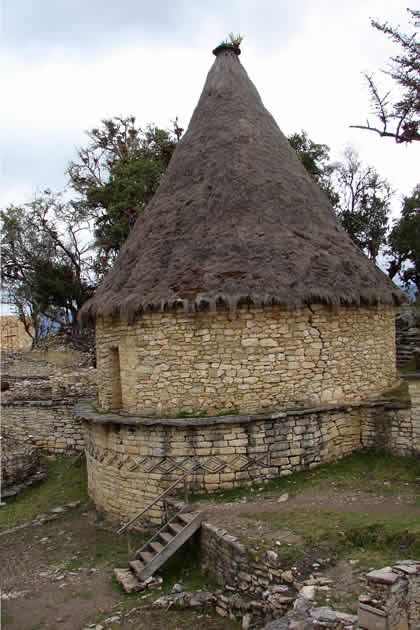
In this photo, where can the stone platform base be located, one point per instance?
(132, 460)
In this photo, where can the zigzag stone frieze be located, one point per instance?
(166, 465)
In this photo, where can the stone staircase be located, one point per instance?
(158, 549)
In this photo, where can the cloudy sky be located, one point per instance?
(66, 64)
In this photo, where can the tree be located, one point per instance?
(46, 261)
(404, 243)
(117, 174)
(315, 158)
(364, 203)
(398, 117)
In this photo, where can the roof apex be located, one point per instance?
(237, 219)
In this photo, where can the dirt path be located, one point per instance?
(49, 579)
(57, 576)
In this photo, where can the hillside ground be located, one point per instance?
(339, 520)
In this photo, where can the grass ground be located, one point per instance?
(65, 482)
(383, 525)
(365, 507)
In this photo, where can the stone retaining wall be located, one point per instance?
(392, 600)
(47, 424)
(132, 460)
(251, 360)
(38, 407)
(407, 325)
(18, 462)
(13, 335)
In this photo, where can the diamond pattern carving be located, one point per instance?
(132, 463)
(213, 464)
(239, 462)
(167, 465)
(147, 464)
(188, 465)
(264, 460)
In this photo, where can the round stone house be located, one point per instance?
(236, 295)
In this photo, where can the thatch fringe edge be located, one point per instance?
(129, 308)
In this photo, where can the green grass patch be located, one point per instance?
(399, 393)
(64, 483)
(409, 367)
(368, 470)
(107, 548)
(367, 537)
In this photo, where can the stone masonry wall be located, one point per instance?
(407, 324)
(38, 406)
(392, 600)
(132, 460)
(252, 360)
(13, 335)
(18, 461)
(47, 424)
(414, 392)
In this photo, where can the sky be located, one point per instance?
(67, 64)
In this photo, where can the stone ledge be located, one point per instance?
(414, 376)
(51, 402)
(84, 411)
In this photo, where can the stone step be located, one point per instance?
(173, 534)
(156, 546)
(146, 556)
(128, 580)
(137, 567)
(175, 527)
(166, 537)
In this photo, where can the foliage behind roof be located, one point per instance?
(237, 219)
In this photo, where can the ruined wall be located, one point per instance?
(48, 424)
(132, 460)
(407, 324)
(38, 407)
(18, 462)
(392, 600)
(253, 360)
(13, 335)
(397, 426)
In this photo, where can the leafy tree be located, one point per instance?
(117, 174)
(315, 158)
(404, 243)
(398, 117)
(364, 203)
(46, 260)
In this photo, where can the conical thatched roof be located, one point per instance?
(237, 218)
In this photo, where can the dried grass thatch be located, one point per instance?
(237, 219)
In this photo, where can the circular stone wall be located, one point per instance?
(255, 359)
(131, 461)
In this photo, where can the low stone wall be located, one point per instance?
(132, 460)
(13, 335)
(407, 325)
(38, 406)
(47, 424)
(19, 462)
(414, 391)
(392, 600)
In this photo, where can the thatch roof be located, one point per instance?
(237, 219)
